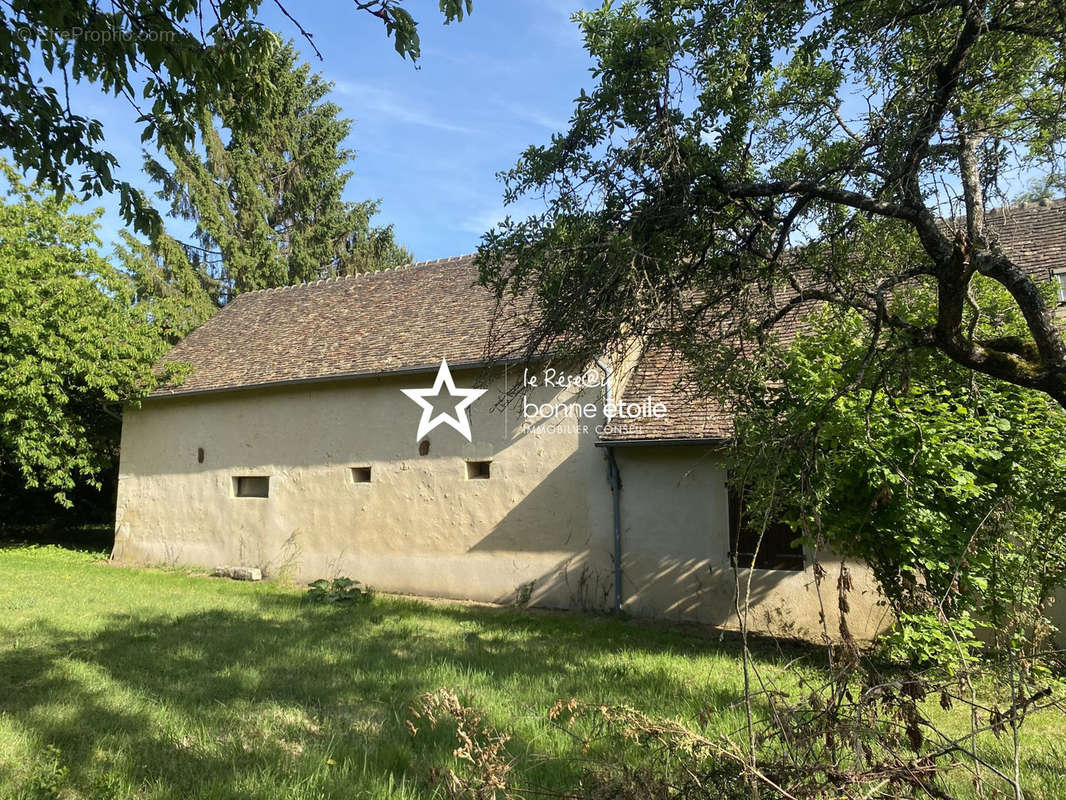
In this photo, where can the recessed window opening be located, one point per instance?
(1060, 284)
(423, 447)
(477, 470)
(360, 474)
(199, 455)
(251, 486)
(776, 550)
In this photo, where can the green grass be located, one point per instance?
(125, 683)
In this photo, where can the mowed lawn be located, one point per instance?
(126, 683)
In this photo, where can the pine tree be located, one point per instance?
(169, 284)
(266, 198)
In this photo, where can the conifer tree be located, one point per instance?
(266, 200)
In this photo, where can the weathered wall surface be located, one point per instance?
(675, 533)
(540, 525)
(421, 525)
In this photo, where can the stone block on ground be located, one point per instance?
(239, 573)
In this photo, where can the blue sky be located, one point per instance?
(429, 141)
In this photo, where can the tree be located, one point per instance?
(949, 484)
(175, 57)
(736, 163)
(71, 344)
(1043, 188)
(266, 197)
(169, 287)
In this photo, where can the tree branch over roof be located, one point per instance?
(767, 158)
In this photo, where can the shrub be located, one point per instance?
(339, 591)
(950, 486)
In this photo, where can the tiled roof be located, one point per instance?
(397, 320)
(408, 318)
(661, 376)
(1033, 235)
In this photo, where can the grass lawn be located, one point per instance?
(123, 683)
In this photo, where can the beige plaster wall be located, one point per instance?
(675, 535)
(421, 526)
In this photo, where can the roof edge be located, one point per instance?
(369, 275)
(343, 376)
(709, 441)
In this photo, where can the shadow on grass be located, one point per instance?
(91, 538)
(243, 704)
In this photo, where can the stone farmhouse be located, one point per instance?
(293, 447)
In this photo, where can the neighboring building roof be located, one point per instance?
(1032, 234)
(399, 320)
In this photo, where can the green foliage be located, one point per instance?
(174, 59)
(759, 155)
(950, 486)
(927, 637)
(401, 26)
(339, 591)
(215, 690)
(72, 348)
(168, 286)
(1044, 188)
(265, 196)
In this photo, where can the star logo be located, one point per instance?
(455, 416)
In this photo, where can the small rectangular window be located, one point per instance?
(477, 470)
(251, 486)
(776, 550)
(1060, 284)
(360, 474)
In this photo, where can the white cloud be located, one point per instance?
(385, 102)
(558, 18)
(537, 117)
(491, 217)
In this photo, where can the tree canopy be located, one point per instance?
(73, 347)
(948, 484)
(737, 162)
(266, 196)
(171, 60)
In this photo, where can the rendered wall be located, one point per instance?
(675, 537)
(419, 526)
(540, 525)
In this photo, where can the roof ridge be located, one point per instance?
(1002, 214)
(1044, 202)
(358, 275)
